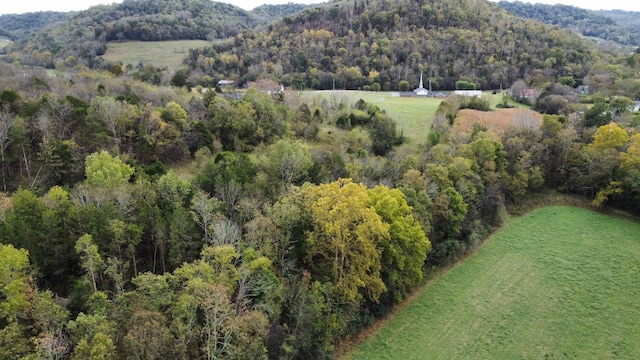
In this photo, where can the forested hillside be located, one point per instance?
(619, 26)
(85, 35)
(361, 42)
(17, 26)
(273, 13)
(630, 19)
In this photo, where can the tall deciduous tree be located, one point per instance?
(610, 136)
(90, 257)
(597, 115)
(290, 160)
(404, 253)
(113, 114)
(204, 210)
(621, 105)
(93, 337)
(147, 338)
(343, 243)
(14, 280)
(104, 170)
(6, 123)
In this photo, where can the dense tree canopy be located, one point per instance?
(358, 43)
(607, 25)
(148, 221)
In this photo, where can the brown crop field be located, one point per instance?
(498, 121)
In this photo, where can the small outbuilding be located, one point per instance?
(226, 83)
(469, 93)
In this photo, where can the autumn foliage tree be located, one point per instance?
(405, 252)
(344, 239)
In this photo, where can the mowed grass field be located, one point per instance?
(158, 53)
(557, 283)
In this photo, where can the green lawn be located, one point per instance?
(159, 53)
(559, 282)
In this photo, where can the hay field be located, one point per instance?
(497, 121)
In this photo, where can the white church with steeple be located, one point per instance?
(421, 91)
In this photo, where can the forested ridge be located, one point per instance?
(17, 26)
(615, 25)
(628, 18)
(356, 42)
(364, 42)
(273, 12)
(85, 34)
(145, 217)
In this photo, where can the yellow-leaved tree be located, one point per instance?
(404, 253)
(343, 242)
(606, 159)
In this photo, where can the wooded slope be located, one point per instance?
(16, 26)
(363, 42)
(85, 35)
(622, 27)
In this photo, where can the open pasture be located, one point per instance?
(158, 53)
(558, 283)
(497, 121)
(412, 115)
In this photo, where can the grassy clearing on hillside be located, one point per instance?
(498, 121)
(559, 282)
(412, 115)
(4, 42)
(496, 99)
(159, 53)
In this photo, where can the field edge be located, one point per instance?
(528, 205)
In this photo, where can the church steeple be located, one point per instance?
(421, 91)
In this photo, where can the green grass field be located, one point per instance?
(412, 115)
(4, 42)
(495, 99)
(159, 53)
(557, 283)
